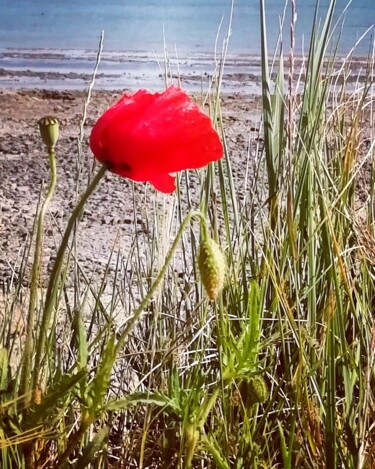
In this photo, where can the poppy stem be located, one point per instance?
(54, 279)
(34, 283)
(136, 315)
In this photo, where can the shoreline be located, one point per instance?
(54, 69)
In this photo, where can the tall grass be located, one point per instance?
(279, 372)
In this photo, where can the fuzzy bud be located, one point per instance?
(49, 131)
(257, 390)
(212, 267)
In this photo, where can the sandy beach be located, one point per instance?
(110, 214)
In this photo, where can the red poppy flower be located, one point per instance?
(149, 137)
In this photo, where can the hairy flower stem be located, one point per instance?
(53, 284)
(35, 277)
(134, 318)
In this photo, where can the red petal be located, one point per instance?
(151, 135)
(127, 106)
(164, 183)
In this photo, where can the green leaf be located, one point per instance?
(99, 385)
(286, 455)
(4, 369)
(57, 392)
(213, 447)
(146, 398)
(90, 450)
(80, 335)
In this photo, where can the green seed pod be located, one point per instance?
(256, 390)
(212, 267)
(49, 131)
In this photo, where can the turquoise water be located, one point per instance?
(52, 43)
(137, 25)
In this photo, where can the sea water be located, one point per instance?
(62, 36)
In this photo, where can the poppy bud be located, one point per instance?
(256, 390)
(49, 131)
(212, 267)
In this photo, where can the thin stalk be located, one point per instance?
(331, 442)
(35, 277)
(53, 284)
(134, 318)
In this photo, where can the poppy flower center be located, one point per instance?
(118, 167)
(121, 166)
